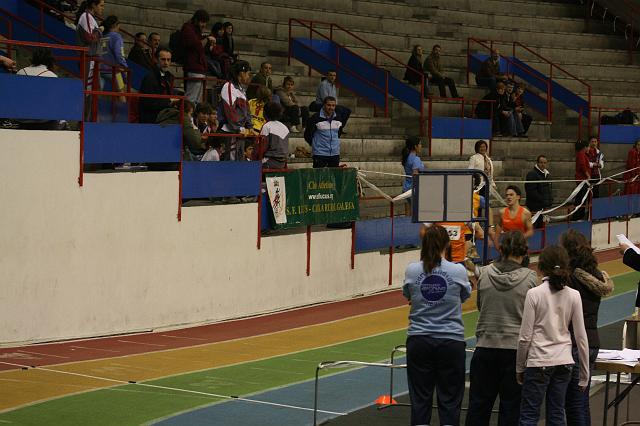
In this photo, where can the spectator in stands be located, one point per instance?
(537, 190)
(412, 166)
(89, 32)
(195, 63)
(235, 115)
(502, 288)
(518, 101)
(498, 106)
(481, 160)
(596, 162)
(154, 42)
(277, 138)
(489, 74)
(327, 88)
(511, 103)
(194, 142)
(113, 55)
(592, 284)
(436, 288)
(140, 53)
(583, 172)
(632, 176)
(248, 151)
(293, 114)
(414, 72)
(42, 64)
(214, 54)
(433, 65)
(227, 42)
(323, 134)
(203, 113)
(544, 361)
(157, 82)
(215, 150)
(514, 217)
(256, 107)
(8, 63)
(261, 79)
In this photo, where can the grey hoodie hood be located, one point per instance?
(505, 275)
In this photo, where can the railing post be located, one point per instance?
(422, 130)
(580, 123)
(391, 246)
(386, 93)
(589, 106)
(598, 124)
(290, 42)
(180, 169)
(310, 41)
(41, 22)
(461, 126)
(429, 120)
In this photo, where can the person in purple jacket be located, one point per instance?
(112, 54)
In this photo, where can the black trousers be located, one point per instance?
(320, 161)
(493, 373)
(581, 212)
(446, 81)
(440, 364)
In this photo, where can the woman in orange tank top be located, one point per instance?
(514, 217)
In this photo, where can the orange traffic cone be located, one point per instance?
(385, 400)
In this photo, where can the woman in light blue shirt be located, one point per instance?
(412, 165)
(436, 289)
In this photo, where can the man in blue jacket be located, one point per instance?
(322, 133)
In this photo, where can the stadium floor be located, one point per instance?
(258, 370)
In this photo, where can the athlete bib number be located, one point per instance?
(454, 231)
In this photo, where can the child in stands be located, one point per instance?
(215, 149)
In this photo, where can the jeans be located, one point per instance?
(577, 402)
(441, 82)
(440, 364)
(193, 88)
(493, 373)
(538, 382)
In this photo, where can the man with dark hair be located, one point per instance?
(322, 133)
(42, 63)
(141, 53)
(261, 79)
(538, 192)
(195, 62)
(433, 65)
(514, 217)
(154, 42)
(327, 88)
(158, 81)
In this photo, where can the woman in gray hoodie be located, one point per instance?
(502, 288)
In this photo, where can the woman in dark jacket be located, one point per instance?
(414, 71)
(593, 284)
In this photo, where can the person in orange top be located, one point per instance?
(514, 217)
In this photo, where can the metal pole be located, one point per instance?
(308, 250)
(391, 246)
(353, 245)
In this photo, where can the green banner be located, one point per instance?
(314, 196)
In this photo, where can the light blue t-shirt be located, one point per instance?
(413, 162)
(436, 299)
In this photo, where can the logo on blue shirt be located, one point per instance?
(433, 287)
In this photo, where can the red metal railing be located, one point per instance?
(545, 81)
(9, 33)
(599, 110)
(309, 24)
(463, 102)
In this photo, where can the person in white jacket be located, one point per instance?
(481, 160)
(544, 361)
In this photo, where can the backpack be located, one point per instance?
(176, 46)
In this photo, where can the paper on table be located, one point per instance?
(626, 356)
(622, 239)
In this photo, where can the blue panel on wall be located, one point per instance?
(609, 207)
(456, 128)
(553, 231)
(131, 143)
(41, 98)
(619, 133)
(204, 179)
(405, 93)
(373, 234)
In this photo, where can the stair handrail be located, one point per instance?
(309, 24)
(30, 25)
(337, 65)
(9, 27)
(546, 81)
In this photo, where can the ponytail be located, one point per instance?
(83, 8)
(409, 145)
(554, 264)
(434, 242)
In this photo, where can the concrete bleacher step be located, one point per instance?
(496, 6)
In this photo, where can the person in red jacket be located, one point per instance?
(195, 62)
(583, 172)
(633, 161)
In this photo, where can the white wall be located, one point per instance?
(111, 257)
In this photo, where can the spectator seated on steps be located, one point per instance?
(256, 107)
(293, 113)
(414, 71)
(518, 100)
(327, 88)
(215, 150)
(433, 65)
(489, 74)
(261, 79)
(511, 102)
(203, 118)
(498, 108)
(140, 53)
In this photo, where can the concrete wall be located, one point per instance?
(111, 257)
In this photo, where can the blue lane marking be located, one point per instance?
(343, 392)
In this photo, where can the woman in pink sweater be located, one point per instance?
(544, 361)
